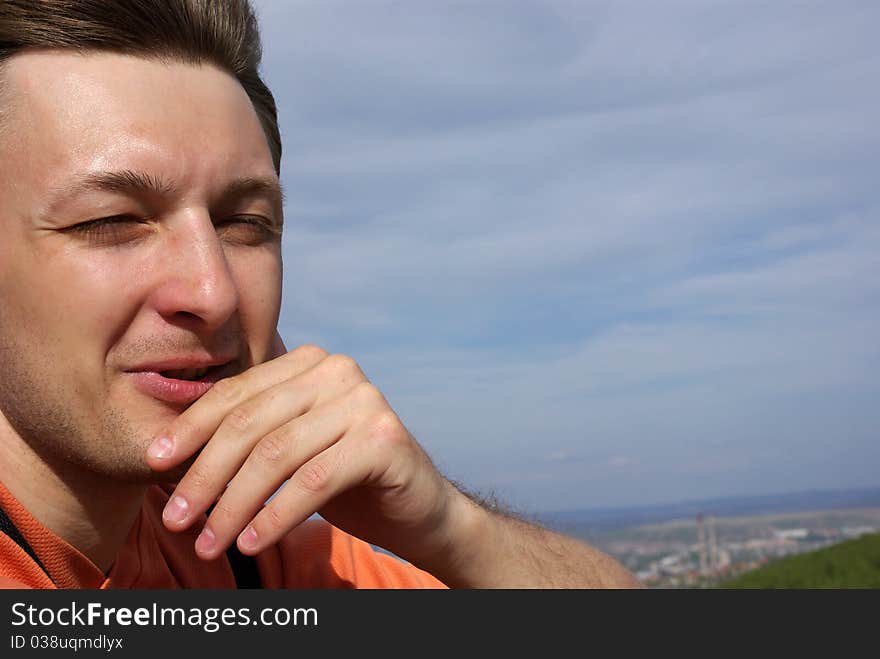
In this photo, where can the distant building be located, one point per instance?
(792, 534)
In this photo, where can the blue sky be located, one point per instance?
(594, 253)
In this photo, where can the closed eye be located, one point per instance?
(248, 230)
(112, 230)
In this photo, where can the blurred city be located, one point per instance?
(705, 549)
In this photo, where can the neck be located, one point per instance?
(91, 512)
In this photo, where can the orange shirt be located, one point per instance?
(313, 555)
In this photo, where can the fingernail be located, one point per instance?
(248, 538)
(175, 509)
(205, 541)
(161, 448)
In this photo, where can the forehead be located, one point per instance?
(69, 114)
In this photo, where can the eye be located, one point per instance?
(113, 230)
(249, 230)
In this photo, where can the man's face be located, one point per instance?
(97, 318)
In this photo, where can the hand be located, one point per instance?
(313, 423)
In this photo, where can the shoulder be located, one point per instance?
(17, 569)
(318, 555)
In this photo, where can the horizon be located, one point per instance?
(726, 498)
(594, 254)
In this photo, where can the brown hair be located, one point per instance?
(219, 32)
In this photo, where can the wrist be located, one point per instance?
(459, 556)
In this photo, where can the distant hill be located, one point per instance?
(597, 520)
(850, 564)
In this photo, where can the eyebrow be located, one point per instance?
(255, 186)
(128, 181)
(124, 181)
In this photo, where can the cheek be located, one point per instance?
(76, 304)
(259, 287)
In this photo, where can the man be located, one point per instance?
(140, 279)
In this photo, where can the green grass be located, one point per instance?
(850, 564)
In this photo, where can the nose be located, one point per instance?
(196, 284)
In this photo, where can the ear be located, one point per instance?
(278, 347)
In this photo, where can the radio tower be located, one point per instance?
(701, 535)
(713, 547)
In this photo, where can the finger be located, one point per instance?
(330, 473)
(189, 431)
(230, 445)
(274, 458)
(240, 430)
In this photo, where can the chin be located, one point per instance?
(140, 473)
(122, 466)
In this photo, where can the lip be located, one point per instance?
(181, 362)
(150, 381)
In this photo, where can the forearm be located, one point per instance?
(489, 549)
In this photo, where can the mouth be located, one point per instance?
(193, 374)
(180, 384)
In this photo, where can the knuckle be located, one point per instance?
(224, 512)
(226, 389)
(273, 520)
(368, 394)
(197, 477)
(313, 477)
(310, 351)
(240, 419)
(271, 449)
(342, 364)
(386, 429)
